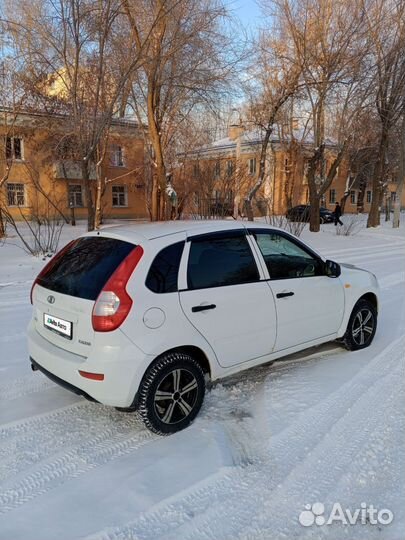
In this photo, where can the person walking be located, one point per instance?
(337, 213)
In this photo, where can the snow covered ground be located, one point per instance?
(323, 426)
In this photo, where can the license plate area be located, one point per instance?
(57, 325)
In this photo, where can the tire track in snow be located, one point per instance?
(200, 511)
(330, 458)
(379, 248)
(27, 444)
(299, 452)
(22, 386)
(98, 450)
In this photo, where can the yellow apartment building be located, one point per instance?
(232, 165)
(41, 174)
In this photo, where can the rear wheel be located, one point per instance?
(362, 326)
(171, 393)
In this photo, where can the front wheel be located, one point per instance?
(171, 393)
(362, 326)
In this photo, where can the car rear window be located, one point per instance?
(86, 266)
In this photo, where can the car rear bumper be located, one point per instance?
(116, 357)
(37, 367)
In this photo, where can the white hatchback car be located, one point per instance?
(140, 317)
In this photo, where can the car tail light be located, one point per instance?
(48, 267)
(114, 303)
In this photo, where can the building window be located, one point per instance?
(252, 166)
(14, 148)
(353, 199)
(196, 170)
(369, 196)
(393, 196)
(117, 156)
(332, 196)
(16, 194)
(119, 196)
(229, 169)
(75, 196)
(217, 169)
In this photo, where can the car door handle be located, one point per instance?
(284, 294)
(195, 309)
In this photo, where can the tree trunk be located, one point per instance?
(236, 199)
(262, 171)
(314, 196)
(387, 208)
(378, 181)
(97, 214)
(89, 195)
(159, 178)
(398, 201)
(360, 198)
(2, 225)
(343, 202)
(314, 201)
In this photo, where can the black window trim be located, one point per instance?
(230, 233)
(224, 233)
(292, 239)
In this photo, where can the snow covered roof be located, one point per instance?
(255, 137)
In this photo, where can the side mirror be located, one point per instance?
(332, 269)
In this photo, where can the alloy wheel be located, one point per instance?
(363, 326)
(176, 396)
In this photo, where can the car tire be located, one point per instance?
(361, 327)
(321, 220)
(171, 393)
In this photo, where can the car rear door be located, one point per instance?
(63, 298)
(310, 305)
(226, 299)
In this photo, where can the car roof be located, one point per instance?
(149, 231)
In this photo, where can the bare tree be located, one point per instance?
(274, 80)
(184, 67)
(386, 28)
(328, 43)
(68, 47)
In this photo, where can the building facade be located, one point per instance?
(231, 165)
(42, 175)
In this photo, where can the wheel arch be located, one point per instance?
(192, 350)
(370, 297)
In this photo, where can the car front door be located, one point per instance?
(309, 304)
(225, 298)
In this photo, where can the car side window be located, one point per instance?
(220, 261)
(163, 273)
(284, 258)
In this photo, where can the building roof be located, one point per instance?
(128, 122)
(252, 138)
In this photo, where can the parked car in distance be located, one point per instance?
(140, 317)
(302, 213)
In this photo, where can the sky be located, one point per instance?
(247, 11)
